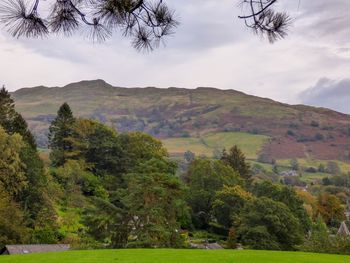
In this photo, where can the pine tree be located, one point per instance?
(61, 129)
(236, 159)
(12, 121)
(7, 110)
(20, 126)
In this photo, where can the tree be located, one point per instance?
(232, 239)
(12, 223)
(7, 110)
(236, 159)
(294, 164)
(19, 125)
(146, 22)
(189, 156)
(60, 130)
(97, 145)
(228, 205)
(146, 212)
(270, 225)
(318, 241)
(204, 178)
(287, 196)
(12, 176)
(154, 197)
(35, 199)
(330, 208)
(11, 120)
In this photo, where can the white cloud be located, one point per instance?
(211, 48)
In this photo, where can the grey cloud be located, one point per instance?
(330, 94)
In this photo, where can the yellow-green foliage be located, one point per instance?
(250, 144)
(12, 174)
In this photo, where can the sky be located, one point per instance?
(210, 48)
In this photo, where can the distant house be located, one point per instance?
(343, 230)
(289, 173)
(28, 249)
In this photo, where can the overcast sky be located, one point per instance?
(210, 48)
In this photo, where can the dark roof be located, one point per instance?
(28, 249)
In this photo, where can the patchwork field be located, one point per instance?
(175, 256)
(249, 143)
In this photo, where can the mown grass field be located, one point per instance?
(175, 256)
(249, 143)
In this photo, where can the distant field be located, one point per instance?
(249, 143)
(175, 256)
(345, 167)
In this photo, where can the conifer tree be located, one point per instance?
(20, 126)
(7, 109)
(12, 121)
(61, 129)
(236, 159)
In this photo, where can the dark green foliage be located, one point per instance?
(61, 129)
(294, 164)
(286, 195)
(7, 110)
(11, 120)
(35, 198)
(267, 224)
(204, 178)
(236, 159)
(314, 124)
(321, 168)
(12, 222)
(291, 133)
(19, 125)
(189, 156)
(320, 241)
(147, 209)
(228, 205)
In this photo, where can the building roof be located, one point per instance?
(28, 249)
(343, 230)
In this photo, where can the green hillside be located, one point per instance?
(175, 256)
(207, 144)
(296, 131)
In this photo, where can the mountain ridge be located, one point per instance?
(295, 130)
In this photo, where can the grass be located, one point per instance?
(310, 162)
(249, 143)
(175, 256)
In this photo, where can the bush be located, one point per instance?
(311, 170)
(290, 133)
(315, 124)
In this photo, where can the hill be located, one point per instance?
(174, 256)
(182, 117)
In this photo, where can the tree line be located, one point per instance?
(101, 188)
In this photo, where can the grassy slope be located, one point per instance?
(175, 112)
(175, 256)
(250, 144)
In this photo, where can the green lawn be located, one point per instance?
(249, 143)
(175, 256)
